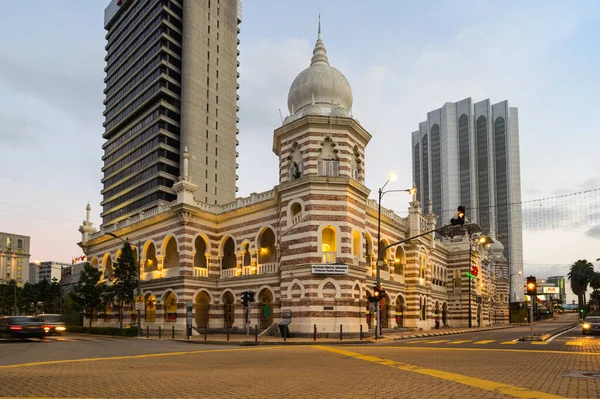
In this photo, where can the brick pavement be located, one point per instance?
(305, 372)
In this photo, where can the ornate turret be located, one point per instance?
(184, 188)
(86, 228)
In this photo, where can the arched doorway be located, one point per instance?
(150, 311)
(171, 307)
(202, 301)
(266, 308)
(385, 302)
(445, 314)
(479, 311)
(436, 314)
(229, 309)
(400, 303)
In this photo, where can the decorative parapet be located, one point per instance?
(371, 203)
(254, 198)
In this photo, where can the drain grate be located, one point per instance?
(581, 374)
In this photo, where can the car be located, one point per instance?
(53, 323)
(591, 325)
(21, 327)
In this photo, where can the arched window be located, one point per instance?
(171, 254)
(266, 252)
(108, 268)
(328, 244)
(247, 258)
(151, 261)
(200, 255)
(355, 243)
(228, 261)
(295, 213)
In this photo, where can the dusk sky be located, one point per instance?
(402, 59)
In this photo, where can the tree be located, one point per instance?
(580, 274)
(595, 284)
(87, 293)
(125, 279)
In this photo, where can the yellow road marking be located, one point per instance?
(462, 341)
(446, 348)
(439, 341)
(487, 385)
(575, 343)
(95, 359)
(415, 342)
(539, 343)
(485, 341)
(508, 343)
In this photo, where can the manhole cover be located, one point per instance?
(581, 374)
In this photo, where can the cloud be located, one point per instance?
(15, 132)
(594, 232)
(76, 91)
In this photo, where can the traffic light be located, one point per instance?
(459, 220)
(378, 293)
(247, 297)
(474, 271)
(250, 296)
(531, 286)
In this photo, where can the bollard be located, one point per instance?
(256, 333)
(147, 332)
(284, 333)
(340, 332)
(173, 332)
(315, 332)
(159, 332)
(205, 332)
(227, 333)
(361, 332)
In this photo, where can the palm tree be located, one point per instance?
(580, 274)
(595, 284)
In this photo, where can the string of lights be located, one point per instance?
(561, 211)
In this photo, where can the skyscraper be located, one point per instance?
(171, 83)
(468, 154)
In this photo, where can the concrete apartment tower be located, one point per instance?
(468, 154)
(171, 84)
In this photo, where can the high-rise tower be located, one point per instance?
(171, 82)
(468, 154)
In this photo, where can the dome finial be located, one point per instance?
(319, 34)
(319, 53)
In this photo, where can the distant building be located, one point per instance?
(70, 276)
(14, 258)
(49, 270)
(559, 281)
(467, 153)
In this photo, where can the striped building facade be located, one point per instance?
(307, 247)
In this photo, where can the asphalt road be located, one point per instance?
(94, 367)
(571, 341)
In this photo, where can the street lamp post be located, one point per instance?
(139, 287)
(483, 240)
(392, 177)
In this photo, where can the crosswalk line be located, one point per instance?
(574, 343)
(509, 343)
(439, 341)
(485, 341)
(462, 341)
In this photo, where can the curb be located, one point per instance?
(452, 332)
(272, 343)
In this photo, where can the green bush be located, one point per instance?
(114, 331)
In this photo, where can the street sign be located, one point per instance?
(139, 306)
(139, 299)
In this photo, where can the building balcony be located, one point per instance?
(150, 275)
(328, 257)
(200, 272)
(228, 273)
(171, 272)
(267, 268)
